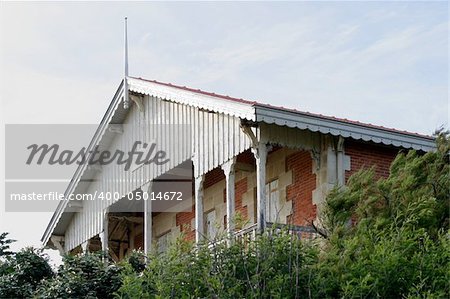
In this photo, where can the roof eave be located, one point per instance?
(202, 100)
(336, 127)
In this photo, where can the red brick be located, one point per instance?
(300, 191)
(366, 155)
(184, 219)
(240, 189)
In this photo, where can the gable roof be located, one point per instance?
(294, 118)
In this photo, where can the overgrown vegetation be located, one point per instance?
(22, 272)
(386, 238)
(398, 244)
(4, 245)
(82, 276)
(272, 266)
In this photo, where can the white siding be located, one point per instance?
(214, 139)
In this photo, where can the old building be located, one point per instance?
(263, 163)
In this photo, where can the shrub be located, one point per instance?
(389, 238)
(274, 265)
(82, 276)
(22, 272)
(4, 245)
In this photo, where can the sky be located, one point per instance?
(384, 63)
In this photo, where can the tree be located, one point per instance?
(82, 276)
(4, 245)
(22, 272)
(389, 238)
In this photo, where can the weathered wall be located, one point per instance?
(302, 187)
(206, 138)
(296, 181)
(363, 155)
(300, 181)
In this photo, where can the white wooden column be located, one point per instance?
(228, 169)
(260, 152)
(104, 234)
(340, 162)
(85, 246)
(147, 219)
(199, 229)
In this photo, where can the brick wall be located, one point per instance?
(246, 157)
(300, 191)
(297, 166)
(213, 177)
(365, 155)
(184, 220)
(240, 189)
(303, 184)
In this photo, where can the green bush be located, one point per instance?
(4, 245)
(389, 238)
(273, 266)
(82, 276)
(22, 272)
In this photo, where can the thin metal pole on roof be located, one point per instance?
(125, 79)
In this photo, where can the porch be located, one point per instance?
(285, 202)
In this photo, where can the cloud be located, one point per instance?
(353, 70)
